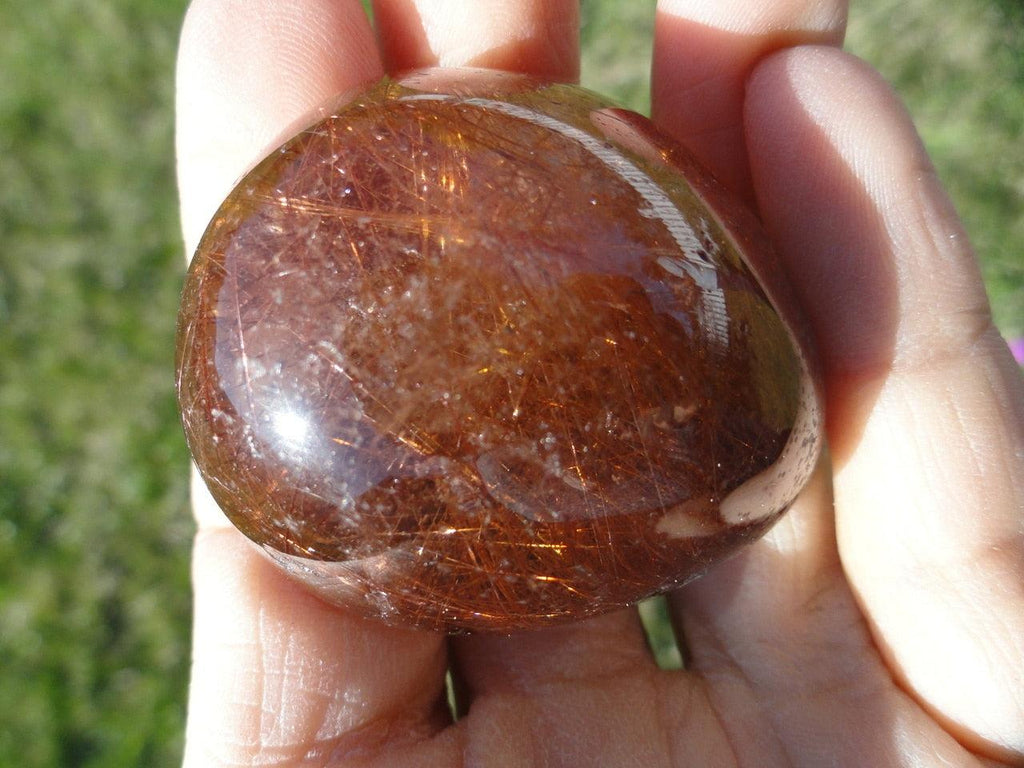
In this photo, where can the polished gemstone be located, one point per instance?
(472, 351)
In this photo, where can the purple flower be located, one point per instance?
(1017, 348)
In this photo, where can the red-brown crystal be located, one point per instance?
(476, 352)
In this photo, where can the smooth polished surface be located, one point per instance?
(475, 352)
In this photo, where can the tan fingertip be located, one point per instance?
(246, 70)
(539, 37)
(704, 53)
(744, 17)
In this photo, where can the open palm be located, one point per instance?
(881, 623)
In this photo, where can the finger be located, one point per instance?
(704, 51)
(580, 694)
(539, 37)
(925, 404)
(780, 640)
(279, 676)
(246, 71)
(577, 651)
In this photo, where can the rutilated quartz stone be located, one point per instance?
(473, 351)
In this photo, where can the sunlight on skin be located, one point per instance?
(745, 18)
(536, 36)
(927, 403)
(704, 53)
(764, 688)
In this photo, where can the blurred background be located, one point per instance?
(94, 527)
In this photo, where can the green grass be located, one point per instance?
(94, 533)
(93, 524)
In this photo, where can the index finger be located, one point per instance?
(246, 71)
(279, 676)
(704, 51)
(537, 37)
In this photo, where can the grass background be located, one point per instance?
(94, 530)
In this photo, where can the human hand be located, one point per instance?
(880, 623)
